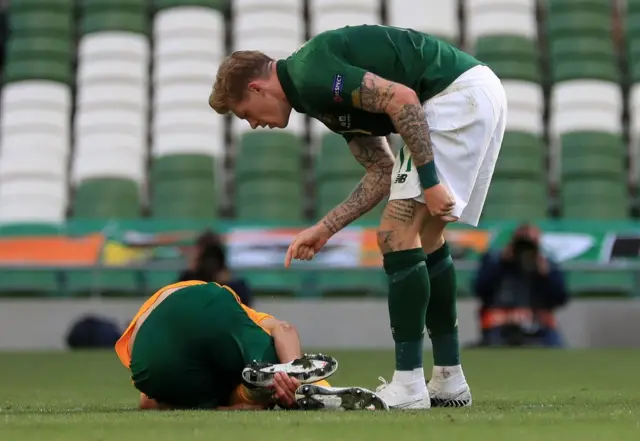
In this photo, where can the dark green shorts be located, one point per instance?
(191, 349)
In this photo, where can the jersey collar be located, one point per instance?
(287, 86)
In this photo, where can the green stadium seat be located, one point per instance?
(28, 5)
(632, 29)
(596, 24)
(104, 281)
(510, 57)
(336, 160)
(25, 282)
(581, 57)
(24, 48)
(105, 198)
(554, 6)
(594, 198)
(278, 283)
(221, 5)
(49, 70)
(268, 154)
(186, 198)
(181, 166)
(43, 22)
(115, 20)
(269, 199)
(515, 199)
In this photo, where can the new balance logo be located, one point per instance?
(401, 178)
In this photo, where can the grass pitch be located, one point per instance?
(519, 395)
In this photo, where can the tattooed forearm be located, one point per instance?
(378, 95)
(375, 156)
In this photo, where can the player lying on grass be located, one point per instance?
(191, 345)
(366, 82)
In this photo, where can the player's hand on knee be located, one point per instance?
(439, 201)
(284, 389)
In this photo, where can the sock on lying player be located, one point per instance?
(441, 316)
(408, 298)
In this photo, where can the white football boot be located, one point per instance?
(407, 390)
(310, 368)
(314, 397)
(448, 387)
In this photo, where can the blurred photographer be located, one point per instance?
(208, 263)
(519, 289)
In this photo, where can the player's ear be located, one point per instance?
(254, 86)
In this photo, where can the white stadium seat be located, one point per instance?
(33, 200)
(500, 17)
(332, 14)
(185, 21)
(114, 45)
(189, 46)
(525, 102)
(122, 70)
(186, 70)
(116, 95)
(277, 47)
(107, 121)
(586, 105)
(105, 160)
(268, 24)
(189, 142)
(34, 147)
(240, 6)
(435, 17)
(188, 95)
(35, 160)
(35, 93)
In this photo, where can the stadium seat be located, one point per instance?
(184, 187)
(516, 199)
(189, 46)
(36, 112)
(433, 17)
(106, 198)
(511, 57)
(111, 110)
(521, 156)
(580, 41)
(33, 199)
(595, 198)
(632, 36)
(335, 159)
(500, 17)
(333, 14)
(525, 104)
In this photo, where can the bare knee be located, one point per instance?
(432, 234)
(401, 225)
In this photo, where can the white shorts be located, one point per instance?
(466, 122)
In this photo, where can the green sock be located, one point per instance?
(442, 317)
(408, 299)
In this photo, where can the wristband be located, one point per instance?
(428, 175)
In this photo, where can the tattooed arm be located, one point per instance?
(374, 154)
(403, 106)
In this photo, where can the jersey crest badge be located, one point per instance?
(338, 83)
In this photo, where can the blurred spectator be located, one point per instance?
(208, 262)
(519, 289)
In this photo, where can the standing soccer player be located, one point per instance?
(366, 82)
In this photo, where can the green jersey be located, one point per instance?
(323, 77)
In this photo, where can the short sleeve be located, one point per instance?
(325, 81)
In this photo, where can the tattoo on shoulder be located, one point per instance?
(374, 96)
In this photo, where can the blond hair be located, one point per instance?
(235, 72)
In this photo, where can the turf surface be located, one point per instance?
(518, 396)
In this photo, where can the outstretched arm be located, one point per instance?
(377, 95)
(374, 154)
